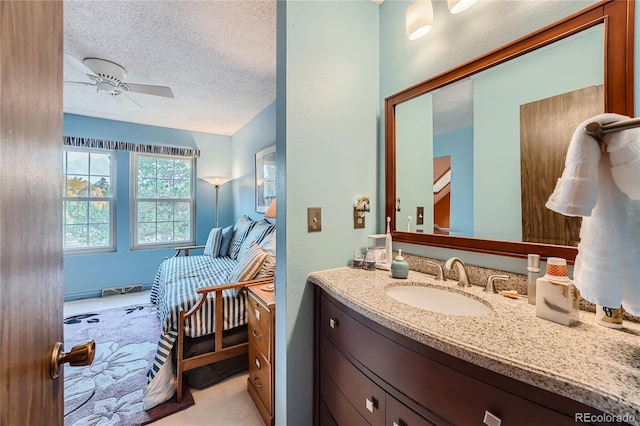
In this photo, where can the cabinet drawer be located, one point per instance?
(364, 395)
(400, 415)
(335, 403)
(325, 418)
(260, 376)
(259, 323)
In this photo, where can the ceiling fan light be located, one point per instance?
(419, 19)
(457, 6)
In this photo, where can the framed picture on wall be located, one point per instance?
(265, 178)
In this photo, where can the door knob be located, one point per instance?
(81, 354)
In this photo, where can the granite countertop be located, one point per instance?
(589, 363)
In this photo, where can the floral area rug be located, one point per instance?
(109, 391)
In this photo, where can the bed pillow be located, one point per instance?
(240, 231)
(227, 234)
(212, 248)
(258, 232)
(268, 243)
(268, 267)
(248, 266)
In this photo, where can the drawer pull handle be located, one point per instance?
(257, 312)
(491, 420)
(333, 323)
(257, 363)
(259, 337)
(371, 404)
(256, 384)
(400, 422)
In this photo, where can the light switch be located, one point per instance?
(358, 220)
(314, 219)
(420, 216)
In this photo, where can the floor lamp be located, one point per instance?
(216, 181)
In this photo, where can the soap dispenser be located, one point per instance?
(399, 267)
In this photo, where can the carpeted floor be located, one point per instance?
(110, 390)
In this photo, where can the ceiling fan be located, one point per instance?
(108, 77)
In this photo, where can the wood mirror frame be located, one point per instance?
(618, 18)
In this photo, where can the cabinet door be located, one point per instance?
(400, 415)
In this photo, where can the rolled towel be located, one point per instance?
(576, 191)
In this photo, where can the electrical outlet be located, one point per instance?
(420, 216)
(358, 221)
(314, 219)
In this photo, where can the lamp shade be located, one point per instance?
(419, 19)
(216, 180)
(457, 6)
(271, 211)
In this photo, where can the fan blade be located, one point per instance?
(125, 101)
(73, 62)
(81, 83)
(148, 89)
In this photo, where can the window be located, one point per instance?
(163, 212)
(88, 200)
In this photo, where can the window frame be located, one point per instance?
(112, 247)
(134, 200)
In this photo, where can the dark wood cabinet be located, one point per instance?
(368, 374)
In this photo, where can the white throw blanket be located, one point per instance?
(604, 188)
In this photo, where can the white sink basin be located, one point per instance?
(438, 300)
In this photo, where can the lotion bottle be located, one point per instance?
(533, 268)
(399, 267)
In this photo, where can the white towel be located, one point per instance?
(607, 267)
(624, 149)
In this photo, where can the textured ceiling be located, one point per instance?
(218, 57)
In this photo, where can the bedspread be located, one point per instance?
(175, 288)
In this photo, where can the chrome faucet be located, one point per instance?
(439, 273)
(463, 278)
(490, 287)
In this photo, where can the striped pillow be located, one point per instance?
(268, 268)
(212, 248)
(258, 232)
(240, 231)
(248, 266)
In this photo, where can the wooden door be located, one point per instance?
(30, 211)
(546, 127)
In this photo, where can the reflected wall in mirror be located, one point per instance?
(505, 121)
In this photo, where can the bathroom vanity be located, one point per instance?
(383, 362)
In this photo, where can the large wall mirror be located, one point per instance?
(473, 154)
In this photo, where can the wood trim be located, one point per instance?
(618, 16)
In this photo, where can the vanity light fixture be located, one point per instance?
(457, 6)
(419, 19)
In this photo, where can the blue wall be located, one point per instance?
(459, 145)
(256, 135)
(86, 275)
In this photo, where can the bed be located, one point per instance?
(187, 289)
